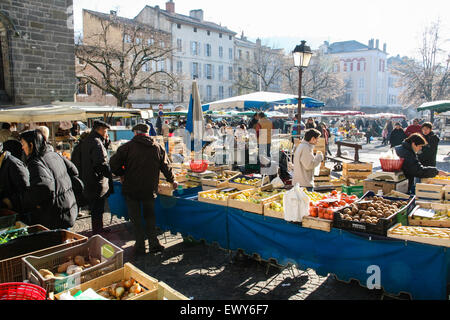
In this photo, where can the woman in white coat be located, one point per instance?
(304, 160)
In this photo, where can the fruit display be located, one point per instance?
(372, 210)
(277, 206)
(72, 266)
(248, 181)
(314, 196)
(439, 215)
(442, 178)
(225, 175)
(220, 195)
(122, 290)
(327, 204)
(256, 197)
(423, 232)
(7, 236)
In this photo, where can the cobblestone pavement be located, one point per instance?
(206, 272)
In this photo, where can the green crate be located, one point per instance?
(353, 190)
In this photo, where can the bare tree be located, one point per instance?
(263, 72)
(318, 80)
(427, 79)
(120, 62)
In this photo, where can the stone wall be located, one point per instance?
(42, 57)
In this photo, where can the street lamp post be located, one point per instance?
(302, 56)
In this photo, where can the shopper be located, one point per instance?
(305, 161)
(310, 124)
(139, 163)
(325, 132)
(49, 197)
(96, 174)
(254, 121)
(14, 180)
(264, 133)
(5, 132)
(369, 133)
(429, 152)
(397, 135)
(415, 127)
(412, 168)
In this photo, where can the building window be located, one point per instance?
(208, 71)
(220, 35)
(336, 67)
(230, 37)
(195, 69)
(208, 33)
(179, 45)
(230, 92)
(248, 55)
(150, 42)
(221, 93)
(138, 40)
(345, 66)
(361, 98)
(230, 73)
(221, 52)
(195, 29)
(358, 66)
(162, 44)
(361, 83)
(179, 66)
(146, 67)
(178, 26)
(239, 54)
(195, 48)
(240, 73)
(209, 93)
(220, 73)
(230, 53)
(147, 90)
(127, 38)
(84, 87)
(351, 66)
(208, 50)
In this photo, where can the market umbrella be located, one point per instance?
(260, 100)
(195, 120)
(437, 106)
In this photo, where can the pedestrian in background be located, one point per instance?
(310, 124)
(96, 174)
(415, 127)
(264, 133)
(397, 135)
(5, 132)
(139, 163)
(429, 152)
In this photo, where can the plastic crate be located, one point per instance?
(383, 225)
(7, 220)
(353, 190)
(30, 230)
(39, 244)
(21, 291)
(110, 255)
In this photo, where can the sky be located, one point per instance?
(284, 23)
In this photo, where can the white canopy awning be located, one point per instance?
(43, 113)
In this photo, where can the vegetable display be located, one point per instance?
(7, 236)
(122, 290)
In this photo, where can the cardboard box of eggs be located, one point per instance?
(372, 215)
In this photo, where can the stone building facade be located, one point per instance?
(37, 51)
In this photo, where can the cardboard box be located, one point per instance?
(385, 186)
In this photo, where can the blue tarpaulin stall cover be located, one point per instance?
(418, 269)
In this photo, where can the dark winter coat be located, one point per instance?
(14, 147)
(429, 152)
(95, 172)
(397, 137)
(50, 197)
(411, 166)
(140, 162)
(14, 180)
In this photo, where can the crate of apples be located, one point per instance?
(331, 202)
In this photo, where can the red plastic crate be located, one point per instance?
(21, 291)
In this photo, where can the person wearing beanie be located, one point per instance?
(139, 163)
(96, 173)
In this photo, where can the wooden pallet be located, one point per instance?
(429, 191)
(316, 223)
(430, 223)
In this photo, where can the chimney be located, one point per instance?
(377, 44)
(196, 14)
(384, 48)
(170, 6)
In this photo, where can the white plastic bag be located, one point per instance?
(296, 204)
(277, 182)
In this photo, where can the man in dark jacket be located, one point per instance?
(139, 163)
(429, 152)
(411, 166)
(397, 136)
(95, 173)
(14, 180)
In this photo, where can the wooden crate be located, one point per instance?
(429, 191)
(430, 223)
(316, 223)
(435, 181)
(324, 171)
(356, 170)
(214, 201)
(220, 183)
(165, 190)
(268, 212)
(243, 186)
(249, 206)
(432, 241)
(322, 179)
(447, 192)
(155, 290)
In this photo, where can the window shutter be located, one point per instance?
(212, 71)
(206, 49)
(199, 48)
(199, 70)
(192, 70)
(89, 89)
